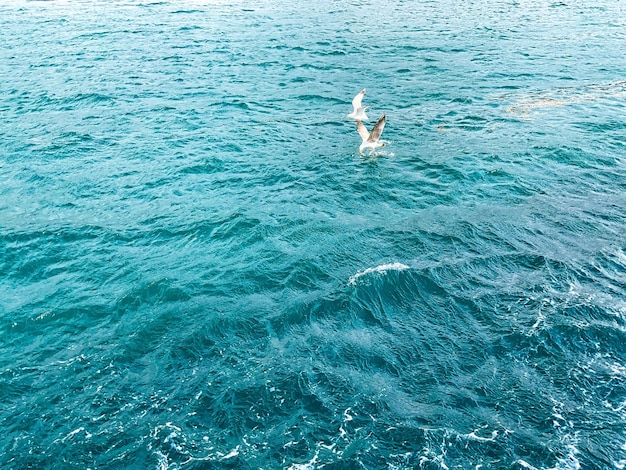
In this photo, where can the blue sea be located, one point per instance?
(199, 270)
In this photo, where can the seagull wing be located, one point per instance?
(356, 101)
(377, 130)
(362, 130)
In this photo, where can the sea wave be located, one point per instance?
(382, 269)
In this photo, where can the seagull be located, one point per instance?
(370, 139)
(358, 112)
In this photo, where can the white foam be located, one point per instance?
(310, 465)
(231, 454)
(473, 436)
(570, 462)
(75, 432)
(525, 464)
(382, 269)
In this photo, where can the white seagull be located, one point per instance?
(370, 139)
(358, 112)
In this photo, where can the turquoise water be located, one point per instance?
(199, 270)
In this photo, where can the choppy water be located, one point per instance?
(198, 269)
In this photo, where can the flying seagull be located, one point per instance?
(370, 139)
(358, 112)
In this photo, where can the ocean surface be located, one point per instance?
(198, 270)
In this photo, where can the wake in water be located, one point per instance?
(566, 96)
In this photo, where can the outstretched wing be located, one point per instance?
(362, 130)
(356, 101)
(377, 130)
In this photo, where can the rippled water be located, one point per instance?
(199, 270)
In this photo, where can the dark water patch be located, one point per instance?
(570, 156)
(38, 255)
(302, 79)
(85, 99)
(210, 166)
(328, 99)
(335, 53)
(239, 104)
(154, 292)
(186, 12)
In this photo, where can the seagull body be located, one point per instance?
(358, 113)
(370, 139)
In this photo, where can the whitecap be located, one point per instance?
(525, 464)
(569, 462)
(382, 269)
(310, 465)
(73, 433)
(231, 454)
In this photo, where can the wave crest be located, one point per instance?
(382, 269)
